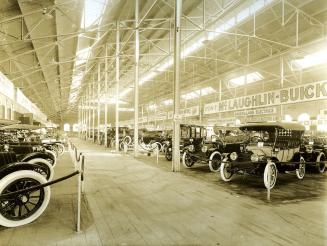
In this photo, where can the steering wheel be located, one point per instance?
(256, 139)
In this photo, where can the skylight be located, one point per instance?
(245, 79)
(201, 92)
(82, 56)
(168, 102)
(93, 12)
(218, 27)
(152, 107)
(311, 60)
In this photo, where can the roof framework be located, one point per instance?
(40, 40)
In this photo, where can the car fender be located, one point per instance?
(16, 166)
(33, 155)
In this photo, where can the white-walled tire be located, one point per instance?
(321, 163)
(215, 161)
(53, 156)
(187, 160)
(225, 174)
(300, 172)
(48, 174)
(28, 206)
(60, 148)
(270, 174)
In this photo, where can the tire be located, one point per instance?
(46, 169)
(127, 140)
(9, 209)
(273, 175)
(187, 160)
(215, 161)
(225, 174)
(321, 163)
(168, 155)
(53, 160)
(300, 172)
(60, 148)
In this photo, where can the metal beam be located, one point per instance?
(106, 104)
(177, 59)
(136, 79)
(99, 103)
(117, 87)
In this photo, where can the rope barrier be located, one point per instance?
(38, 187)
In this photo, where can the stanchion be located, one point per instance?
(269, 180)
(79, 191)
(125, 148)
(157, 153)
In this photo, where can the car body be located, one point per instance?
(210, 151)
(271, 148)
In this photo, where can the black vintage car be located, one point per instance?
(314, 151)
(271, 148)
(188, 135)
(211, 151)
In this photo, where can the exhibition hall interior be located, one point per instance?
(163, 122)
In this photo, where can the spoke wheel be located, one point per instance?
(45, 168)
(26, 207)
(300, 172)
(321, 163)
(168, 155)
(270, 174)
(187, 160)
(215, 162)
(225, 171)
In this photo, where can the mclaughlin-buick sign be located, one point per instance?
(307, 92)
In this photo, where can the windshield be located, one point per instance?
(260, 136)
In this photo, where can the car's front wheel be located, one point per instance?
(321, 163)
(270, 175)
(23, 208)
(187, 160)
(215, 161)
(300, 172)
(226, 171)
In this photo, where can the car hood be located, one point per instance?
(265, 150)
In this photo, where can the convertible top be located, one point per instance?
(280, 125)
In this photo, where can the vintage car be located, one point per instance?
(271, 148)
(210, 152)
(314, 151)
(22, 208)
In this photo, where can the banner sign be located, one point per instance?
(302, 93)
(258, 111)
(189, 112)
(23, 100)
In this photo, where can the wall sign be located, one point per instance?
(303, 93)
(7, 87)
(258, 111)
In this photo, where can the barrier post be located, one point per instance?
(79, 191)
(125, 148)
(157, 153)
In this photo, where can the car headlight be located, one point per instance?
(254, 158)
(233, 156)
(191, 147)
(204, 149)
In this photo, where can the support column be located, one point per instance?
(89, 113)
(136, 80)
(79, 121)
(99, 103)
(106, 101)
(177, 57)
(93, 109)
(281, 84)
(117, 87)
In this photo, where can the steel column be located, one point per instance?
(79, 118)
(89, 113)
(136, 79)
(281, 83)
(117, 87)
(177, 58)
(106, 101)
(93, 109)
(99, 104)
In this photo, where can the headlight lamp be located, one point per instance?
(233, 156)
(204, 149)
(254, 158)
(191, 147)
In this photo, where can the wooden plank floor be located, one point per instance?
(136, 202)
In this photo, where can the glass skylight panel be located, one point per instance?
(152, 107)
(246, 79)
(93, 12)
(168, 102)
(311, 60)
